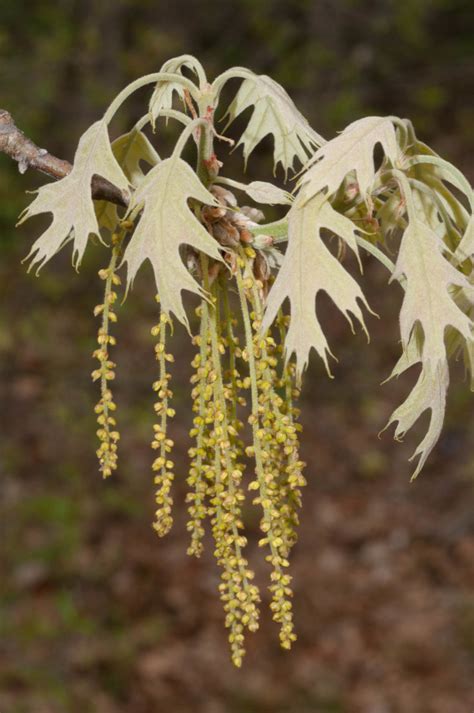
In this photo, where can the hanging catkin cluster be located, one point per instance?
(250, 350)
(239, 376)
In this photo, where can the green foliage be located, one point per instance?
(375, 187)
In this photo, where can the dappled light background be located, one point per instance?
(96, 613)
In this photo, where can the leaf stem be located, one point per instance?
(142, 82)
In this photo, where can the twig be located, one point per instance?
(20, 148)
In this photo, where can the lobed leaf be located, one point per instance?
(163, 94)
(429, 281)
(352, 150)
(441, 174)
(432, 312)
(273, 113)
(260, 191)
(70, 199)
(429, 393)
(166, 223)
(309, 267)
(130, 150)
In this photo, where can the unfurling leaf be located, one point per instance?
(273, 113)
(166, 223)
(267, 194)
(162, 97)
(456, 343)
(429, 307)
(70, 200)
(466, 246)
(440, 176)
(261, 192)
(429, 392)
(307, 268)
(132, 148)
(107, 216)
(352, 150)
(429, 279)
(129, 150)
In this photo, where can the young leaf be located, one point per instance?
(132, 148)
(429, 279)
(456, 344)
(307, 268)
(352, 150)
(107, 216)
(466, 246)
(433, 167)
(429, 311)
(273, 113)
(129, 150)
(162, 97)
(165, 224)
(429, 392)
(277, 229)
(260, 191)
(70, 200)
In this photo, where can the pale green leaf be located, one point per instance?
(458, 214)
(309, 267)
(429, 393)
(273, 113)
(432, 312)
(277, 229)
(260, 191)
(70, 200)
(390, 215)
(163, 94)
(267, 194)
(437, 168)
(456, 344)
(424, 165)
(429, 279)
(352, 150)
(445, 170)
(166, 223)
(411, 353)
(465, 248)
(107, 216)
(376, 252)
(129, 150)
(132, 148)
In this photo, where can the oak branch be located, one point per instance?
(20, 148)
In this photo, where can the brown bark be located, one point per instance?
(20, 148)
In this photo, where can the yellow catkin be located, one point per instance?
(163, 466)
(107, 432)
(280, 427)
(240, 596)
(200, 468)
(266, 481)
(292, 476)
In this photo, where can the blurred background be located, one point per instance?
(96, 613)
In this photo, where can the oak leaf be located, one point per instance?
(70, 199)
(166, 223)
(429, 315)
(309, 267)
(429, 279)
(130, 150)
(352, 150)
(273, 113)
(163, 94)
